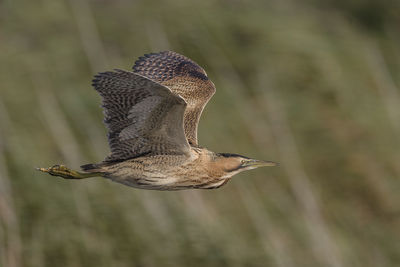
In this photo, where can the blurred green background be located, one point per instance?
(311, 84)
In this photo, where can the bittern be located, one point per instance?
(152, 116)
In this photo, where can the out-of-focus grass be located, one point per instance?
(314, 86)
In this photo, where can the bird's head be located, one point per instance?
(232, 164)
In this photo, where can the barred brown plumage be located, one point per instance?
(152, 116)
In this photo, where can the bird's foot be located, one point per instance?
(64, 172)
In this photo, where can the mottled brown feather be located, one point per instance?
(184, 77)
(142, 116)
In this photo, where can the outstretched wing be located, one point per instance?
(185, 78)
(142, 116)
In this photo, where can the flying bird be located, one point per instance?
(152, 114)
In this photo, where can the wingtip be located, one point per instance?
(142, 59)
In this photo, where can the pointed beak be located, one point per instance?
(255, 163)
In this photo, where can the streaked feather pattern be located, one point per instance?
(185, 78)
(142, 116)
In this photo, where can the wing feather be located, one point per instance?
(142, 116)
(185, 78)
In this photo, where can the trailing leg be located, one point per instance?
(66, 173)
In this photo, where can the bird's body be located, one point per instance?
(152, 116)
(168, 172)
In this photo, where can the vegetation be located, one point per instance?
(314, 86)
